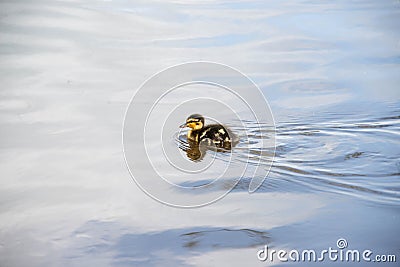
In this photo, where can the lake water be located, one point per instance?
(329, 70)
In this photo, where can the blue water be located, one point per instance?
(329, 70)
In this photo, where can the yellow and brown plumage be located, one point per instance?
(215, 134)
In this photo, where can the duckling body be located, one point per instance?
(217, 134)
(214, 132)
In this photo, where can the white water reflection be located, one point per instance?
(68, 70)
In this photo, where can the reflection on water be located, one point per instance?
(196, 151)
(168, 248)
(329, 154)
(68, 69)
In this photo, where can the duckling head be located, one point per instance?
(194, 121)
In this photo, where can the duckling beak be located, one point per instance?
(183, 125)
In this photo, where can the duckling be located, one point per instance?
(217, 134)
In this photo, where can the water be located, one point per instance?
(315, 155)
(69, 69)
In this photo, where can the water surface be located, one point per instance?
(69, 69)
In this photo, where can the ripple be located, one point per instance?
(352, 156)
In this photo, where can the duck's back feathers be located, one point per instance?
(216, 134)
